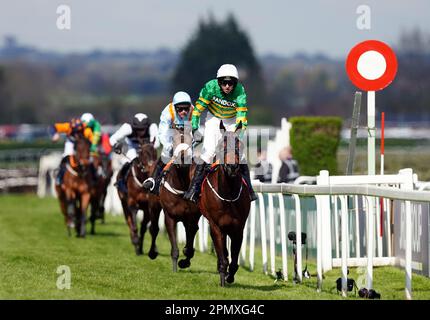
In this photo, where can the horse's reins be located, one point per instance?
(184, 147)
(221, 198)
(133, 171)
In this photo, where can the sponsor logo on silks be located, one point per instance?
(224, 102)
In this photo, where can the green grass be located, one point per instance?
(33, 244)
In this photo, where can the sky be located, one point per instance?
(282, 27)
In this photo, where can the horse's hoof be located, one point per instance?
(175, 266)
(229, 278)
(152, 254)
(184, 263)
(139, 251)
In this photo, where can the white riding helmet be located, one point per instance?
(87, 117)
(181, 97)
(227, 70)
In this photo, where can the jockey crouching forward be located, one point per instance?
(70, 129)
(225, 99)
(176, 113)
(138, 133)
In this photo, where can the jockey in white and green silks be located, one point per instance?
(225, 99)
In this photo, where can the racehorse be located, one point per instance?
(136, 198)
(225, 202)
(178, 174)
(103, 170)
(75, 192)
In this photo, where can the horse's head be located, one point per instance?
(82, 150)
(147, 156)
(182, 141)
(229, 150)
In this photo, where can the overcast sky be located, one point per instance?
(275, 26)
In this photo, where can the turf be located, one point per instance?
(33, 244)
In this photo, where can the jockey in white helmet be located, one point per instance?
(176, 113)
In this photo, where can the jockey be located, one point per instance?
(90, 122)
(225, 99)
(178, 113)
(69, 128)
(139, 132)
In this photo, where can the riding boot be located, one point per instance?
(193, 192)
(152, 184)
(122, 174)
(245, 174)
(61, 171)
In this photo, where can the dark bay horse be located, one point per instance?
(225, 202)
(178, 174)
(75, 192)
(103, 170)
(136, 198)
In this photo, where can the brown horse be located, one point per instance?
(75, 192)
(136, 198)
(225, 202)
(103, 171)
(178, 173)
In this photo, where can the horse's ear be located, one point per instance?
(239, 126)
(221, 126)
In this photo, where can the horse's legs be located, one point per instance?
(236, 243)
(218, 239)
(143, 227)
(191, 228)
(69, 203)
(102, 205)
(84, 203)
(94, 208)
(171, 231)
(154, 229)
(130, 218)
(133, 228)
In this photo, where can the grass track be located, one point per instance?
(33, 243)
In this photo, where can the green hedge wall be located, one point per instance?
(314, 142)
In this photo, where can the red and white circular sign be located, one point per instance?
(371, 65)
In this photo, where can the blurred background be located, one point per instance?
(119, 58)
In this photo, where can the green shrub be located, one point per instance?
(314, 142)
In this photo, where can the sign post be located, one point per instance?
(371, 66)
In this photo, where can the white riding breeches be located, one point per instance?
(69, 148)
(212, 136)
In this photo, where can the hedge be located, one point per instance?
(314, 142)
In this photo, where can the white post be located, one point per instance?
(252, 237)
(371, 132)
(298, 237)
(370, 240)
(357, 228)
(272, 234)
(263, 231)
(205, 233)
(283, 236)
(409, 184)
(326, 255)
(244, 243)
(371, 168)
(201, 237)
(319, 243)
(378, 228)
(344, 226)
(336, 226)
(387, 207)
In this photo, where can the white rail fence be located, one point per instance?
(328, 189)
